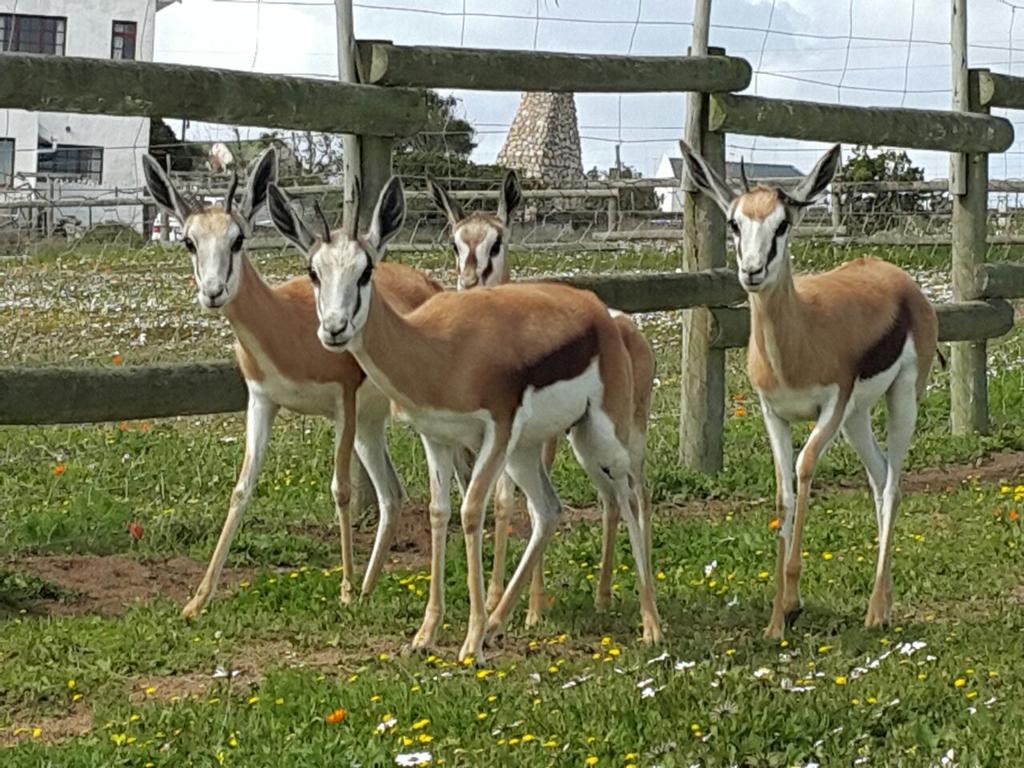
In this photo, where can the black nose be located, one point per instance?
(754, 275)
(340, 328)
(218, 294)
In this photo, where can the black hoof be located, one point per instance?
(793, 615)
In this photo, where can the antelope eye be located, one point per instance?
(783, 228)
(190, 245)
(734, 227)
(314, 277)
(237, 245)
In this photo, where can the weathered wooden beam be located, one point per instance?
(998, 90)
(657, 291)
(81, 395)
(383, 63)
(999, 281)
(877, 126)
(145, 89)
(962, 321)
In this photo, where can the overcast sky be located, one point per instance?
(805, 49)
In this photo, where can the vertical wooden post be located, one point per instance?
(165, 220)
(969, 190)
(347, 74)
(613, 211)
(51, 212)
(702, 388)
(374, 172)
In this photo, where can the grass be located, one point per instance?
(137, 687)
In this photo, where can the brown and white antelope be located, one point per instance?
(531, 362)
(480, 241)
(283, 364)
(825, 347)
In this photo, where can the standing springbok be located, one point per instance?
(480, 242)
(825, 347)
(283, 364)
(531, 362)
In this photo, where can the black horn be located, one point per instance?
(229, 200)
(323, 220)
(743, 176)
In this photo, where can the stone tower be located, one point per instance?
(544, 140)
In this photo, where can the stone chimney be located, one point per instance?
(544, 140)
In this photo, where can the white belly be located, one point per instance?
(550, 411)
(307, 397)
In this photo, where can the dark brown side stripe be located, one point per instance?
(566, 362)
(884, 352)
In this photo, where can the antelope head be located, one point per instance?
(340, 265)
(761, 218)
(214, 234)
(480, 240)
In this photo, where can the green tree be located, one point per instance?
(444, 134)
(163, 143)
(866, 210)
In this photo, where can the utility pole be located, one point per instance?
(350, 142)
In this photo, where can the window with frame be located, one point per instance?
(122, 43)
(73, 163)
(6, 162)
(20, 33)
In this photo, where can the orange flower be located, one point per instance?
(775, 523)
(117, 359)
(145, 426)
(739, 411)
(123, 426)
(135, 529)
(59, 470)
(1013, 515)
(337, 716)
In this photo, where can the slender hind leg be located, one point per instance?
(857, 430)
(344, 440)
(504, 508)
(607, 462)
(259, 418)
(440, 458)
(901, 400)
(538, 599)
(526, 469)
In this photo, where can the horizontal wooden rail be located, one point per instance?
(965, 321)
(145, 89)
(877, 126)
(1004, 281)
(383, 63)
(85, 395)
(998, 90)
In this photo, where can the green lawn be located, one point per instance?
(86, 682)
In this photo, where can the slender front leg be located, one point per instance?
(344, 439)
(609, 532)
(825, 430)
(259, 418)
(489, 463)
(538, 599)
(780, 437)
(504, 508)
(440, 460)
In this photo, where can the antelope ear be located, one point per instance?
(449, 205)
(707, 181)
(163, 191)
(388, 216)
(262, 176)
(287, 220)
(815, 182)
(511, 196)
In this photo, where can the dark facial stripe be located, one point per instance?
(360, 284)
(884, 352)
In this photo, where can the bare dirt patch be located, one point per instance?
(49, 730)
(1004, 467)
(109, 584)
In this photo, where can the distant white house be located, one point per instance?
(670, 199)
(84, 155)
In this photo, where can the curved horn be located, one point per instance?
(743, 176)
(323, 220)
(229, 200)
(353, 226)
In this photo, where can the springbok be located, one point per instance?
(480, 242)
(825, 347)
(284, 366)
(531, 362)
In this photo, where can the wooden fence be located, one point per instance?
(387, 104)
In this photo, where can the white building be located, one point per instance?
(80, 155)
(670, 199)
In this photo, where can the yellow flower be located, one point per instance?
(871, 700)
(481, 715)
(37, 732)
(528, 737)
(279, 701)
(841, 680)
(660, 576)
(419, 725)
(484, 673)
(76, 696)
(406, 741)
(959, 682)
(375, 697)
(232, 742)
(591, 760)
(855, 702)
(425, 738)
(631, 756)
(614, 651)
(132, 718)
(972, 694)
(220, 758)
(552, 669)
(384, 657)
(826, 555)
(71, 683)
(253, 699)
(550, 744)
(606, 640)
(150, 690)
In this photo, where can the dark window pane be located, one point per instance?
(6, 162)
(122, 44)
(73, 163)
(33, 34)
